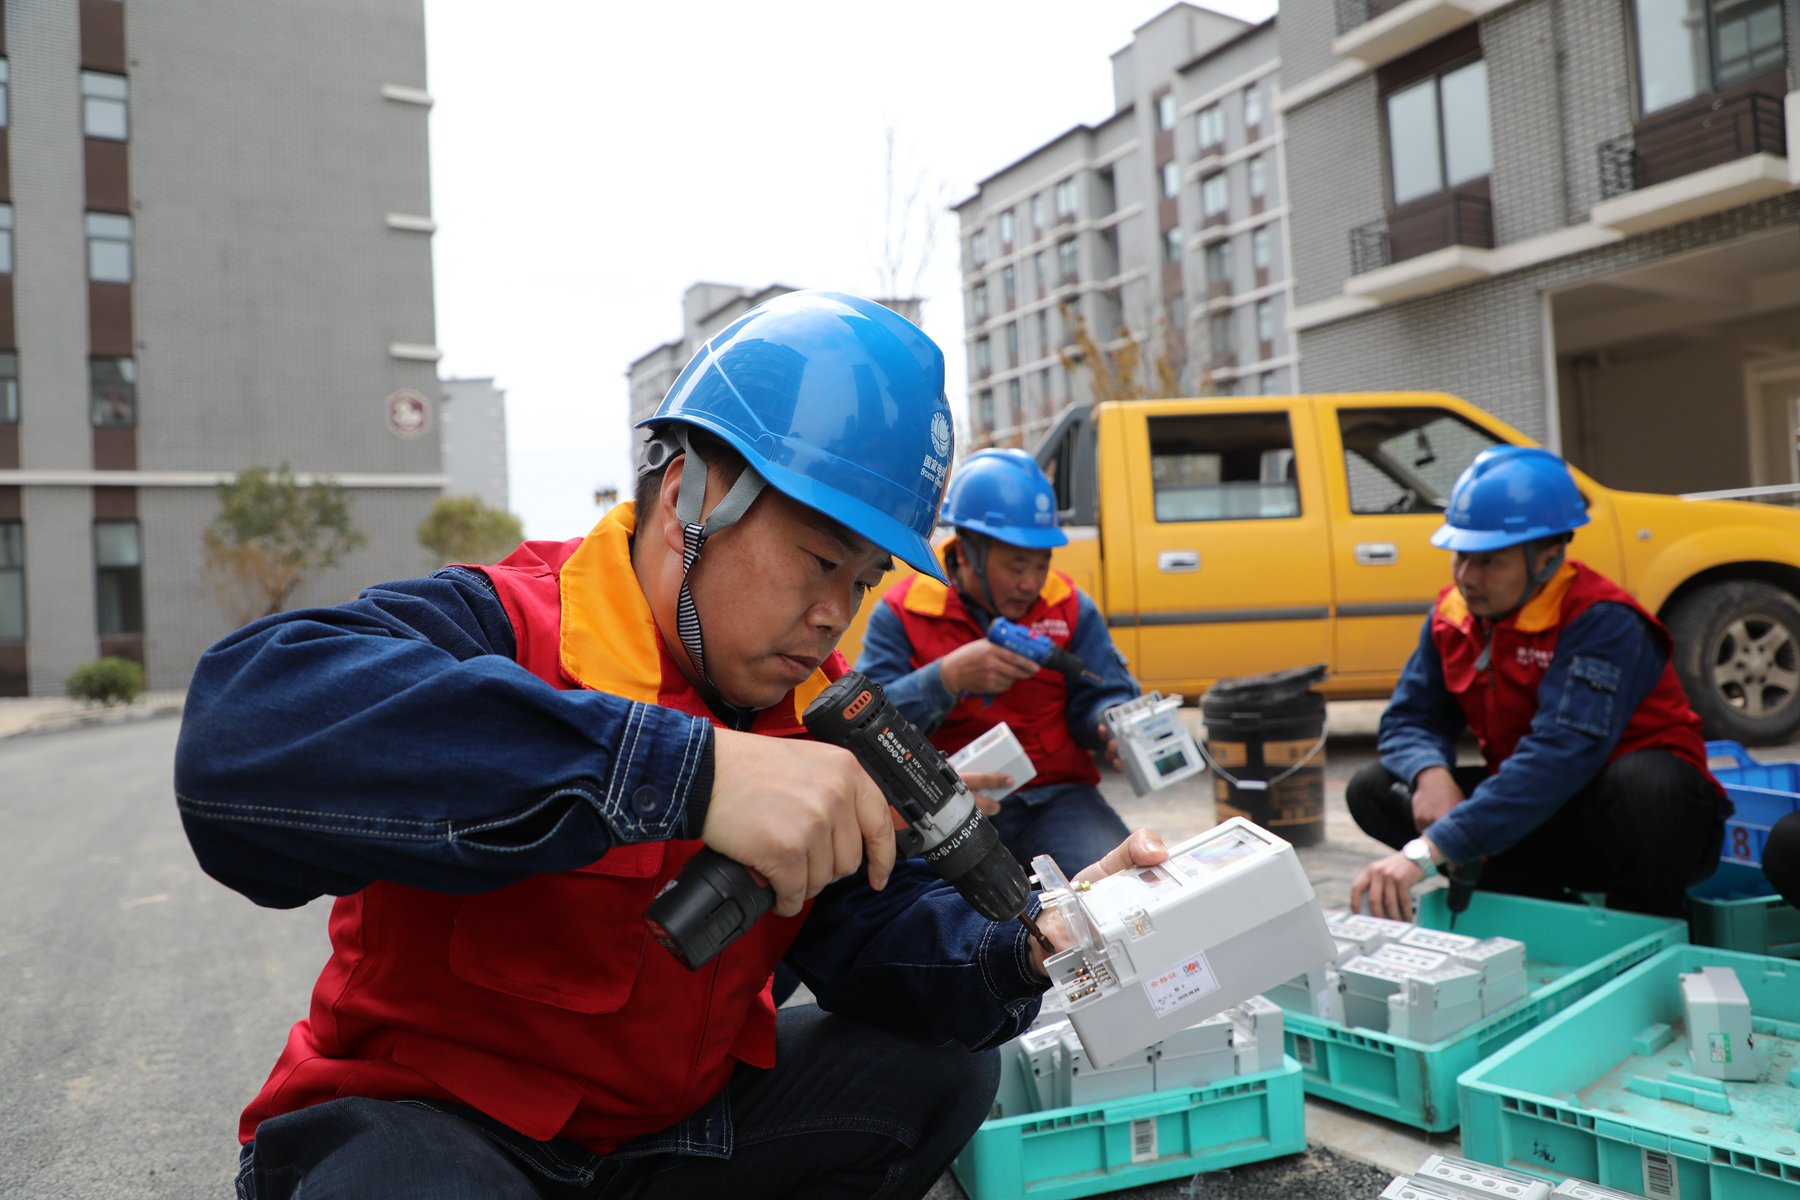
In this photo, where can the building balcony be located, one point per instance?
(1456, 217)
(1374, 32)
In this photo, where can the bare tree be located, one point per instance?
(1120, 370)
(912, 213)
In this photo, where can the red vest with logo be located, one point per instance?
(544, 1004)
(936, 622)
(1499, 703)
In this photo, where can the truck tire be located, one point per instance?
(1737, 652)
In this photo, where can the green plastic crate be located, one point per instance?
(1557, 1102)
(1084, 1150)
(1572, 948)
(1737, 909)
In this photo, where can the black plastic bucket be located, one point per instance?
(1265, 743)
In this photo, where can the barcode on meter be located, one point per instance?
(1303, 1052)
(1660, 1180)
(1143, 1140)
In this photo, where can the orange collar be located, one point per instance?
(609, 641)
(1542, 612)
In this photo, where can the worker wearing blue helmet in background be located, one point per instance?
(497, 768)
(1595, 776)
(926, 644)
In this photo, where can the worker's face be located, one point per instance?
(1491, 581)
(774, 592)
(1015, 574)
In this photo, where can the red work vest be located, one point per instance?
(936, 622)
(544, 1004)
(1499, 703)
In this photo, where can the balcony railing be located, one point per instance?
(1618, 166)
(1369, 247)
(1352, 13)
(1460, 216)
(1706, 133)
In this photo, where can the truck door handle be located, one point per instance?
(1178, 562)
(1377, 554)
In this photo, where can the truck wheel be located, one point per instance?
(1737, 652)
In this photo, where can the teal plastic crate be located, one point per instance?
(1085, 1150)
(1737, 909)
(1560, 1101)
(1572, 948)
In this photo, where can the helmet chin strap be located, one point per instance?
(1533, 581)
(978, 556)
(694, 533)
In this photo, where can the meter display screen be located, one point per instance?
(1217, 854)
(1170, 762)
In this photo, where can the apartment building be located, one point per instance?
(706, 310)
(472, 420)
(1580, 214)
(1165, 220)
(214, 253)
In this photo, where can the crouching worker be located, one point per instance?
(496, 769)
(927, 645)
(1595, 777)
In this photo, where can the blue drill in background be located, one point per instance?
(1039, 649)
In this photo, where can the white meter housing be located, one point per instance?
(1159, 949)
(997, 751)
(1155, 748)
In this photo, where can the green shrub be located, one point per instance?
(109, 680)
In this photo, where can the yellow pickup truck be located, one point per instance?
(1237, 535)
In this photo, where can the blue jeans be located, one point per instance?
(1071, 822)
(847, 1111)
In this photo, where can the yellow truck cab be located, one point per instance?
(1237, 535)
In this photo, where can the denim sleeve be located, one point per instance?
(1420, 726)
(916, 960)
(394, 738)
(1093, 645)
(887, 659)
(1606, 662)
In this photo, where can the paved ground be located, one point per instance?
(51, 714)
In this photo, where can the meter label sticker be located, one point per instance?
(1217, 854)
(1180, 985)
(1660, 1179)
(1720, 1045)
(1143, 1140)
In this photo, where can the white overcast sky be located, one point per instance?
(592, 159)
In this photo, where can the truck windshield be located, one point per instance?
(1401, 460)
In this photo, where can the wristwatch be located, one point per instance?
(1418, 852)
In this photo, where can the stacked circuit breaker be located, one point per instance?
(1420, 984)
(1445, 1178)
(1046, 1066)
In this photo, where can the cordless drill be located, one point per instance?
(715, 900)
(1039, 649)
(1462, 879)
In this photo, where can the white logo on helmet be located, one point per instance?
(940, 434)
(1043, 502)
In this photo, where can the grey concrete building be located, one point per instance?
(706, 309)
(1579, 214)
(472, 421)
(217, 255)
(1166, 219)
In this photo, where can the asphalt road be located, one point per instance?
(141, 1004)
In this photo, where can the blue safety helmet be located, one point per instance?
(1006, 495)
(1509, 495)
(839, 404)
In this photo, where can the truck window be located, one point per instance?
(1401, 460)
(1223, 468)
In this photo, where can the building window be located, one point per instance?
(1037, 213)
(1257, 170)
(984, 410)
(1009, 287)
(112, 384)
(1041, 262)
(1065, 259)
(978, 248)
(1012, 341)
(5, 92)
(1044, 334)
(1253, 106)
(1221, 334)
(984, 355)
(1261, 250)
(1686, 47)
(9, 387)
(119, 562)
(1171, 178)
(1015, 403)
(1265, 322)
(1171, 245)
(1165, 112)
(1065, 199)
(12, 581)
(1209, 127)
(1218, 262)
(1265, 384)
(978, 301)
(1006, 228)
(1438, 132)
(109, 248)
(1044, 388)
(1215, 195)
(103, 106)
(6, 247)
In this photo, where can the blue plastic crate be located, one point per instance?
(1763, 794)
(1088, 1149)
(1604, 1092)
(1572, 949)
